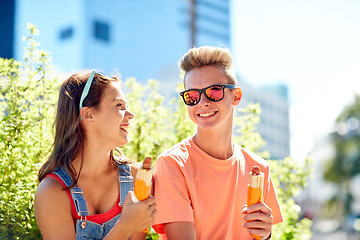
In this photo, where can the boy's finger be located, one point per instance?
(258, 216)
(262, 207)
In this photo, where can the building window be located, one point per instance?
(66, 33)
(101, 31)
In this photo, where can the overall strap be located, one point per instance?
(126, 181)
(79, 200)
(64, 176)
(76, 192)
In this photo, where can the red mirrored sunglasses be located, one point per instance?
(213, 93)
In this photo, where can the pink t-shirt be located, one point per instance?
(194, 187)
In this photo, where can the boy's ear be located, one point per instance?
(86, 114)
(238, 96)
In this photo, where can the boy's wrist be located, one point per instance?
(269, 237)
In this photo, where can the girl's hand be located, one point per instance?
(138, 216)
(134, 218)
(258, 219)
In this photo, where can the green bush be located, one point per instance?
(149, 129)
(27, 107)
(26, 110)
(289, 178)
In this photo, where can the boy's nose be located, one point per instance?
(203, 100)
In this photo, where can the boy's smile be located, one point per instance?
(209, 114)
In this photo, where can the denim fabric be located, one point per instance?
(86, 230)
(93, 230)
(126, 182)
(64, 175)
(79, 200)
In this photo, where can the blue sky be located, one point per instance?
(313, 46)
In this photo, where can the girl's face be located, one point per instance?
(206, 114)
(112, 117)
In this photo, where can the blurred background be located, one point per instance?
(299, 59)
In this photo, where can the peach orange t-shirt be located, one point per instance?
(192, 186)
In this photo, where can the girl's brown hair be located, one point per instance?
(69, 135)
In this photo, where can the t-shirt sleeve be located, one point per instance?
(270, 197)
(171, 192)
(272, 201)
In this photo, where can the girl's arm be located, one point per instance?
(53, 211)
(138, 236)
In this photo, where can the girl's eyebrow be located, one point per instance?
(118, 99)
(121, 100)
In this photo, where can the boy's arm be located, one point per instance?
(180, 231)
(173, 202)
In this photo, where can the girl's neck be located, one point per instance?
(96, 160)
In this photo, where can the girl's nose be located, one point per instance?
(129, 114)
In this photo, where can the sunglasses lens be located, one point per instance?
(191, 97)
(215, 93)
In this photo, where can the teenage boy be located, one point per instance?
(201, 182)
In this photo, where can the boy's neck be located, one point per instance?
(219, 146)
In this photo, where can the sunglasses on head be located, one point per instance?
(213, 93)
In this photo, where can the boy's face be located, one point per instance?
(208, 114)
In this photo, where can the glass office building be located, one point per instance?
(142, 39)
(7, 11)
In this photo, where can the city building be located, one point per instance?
(274, 117)
(7, 11)
(318, 191)
(141, 39)
(212, 23)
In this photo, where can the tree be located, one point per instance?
(345, 163)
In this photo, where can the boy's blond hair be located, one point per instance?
(206, 56)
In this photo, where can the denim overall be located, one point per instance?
(87, 229)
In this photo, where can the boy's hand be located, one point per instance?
(258, 219)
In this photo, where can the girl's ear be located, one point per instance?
(86, 114)
(237, 96)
